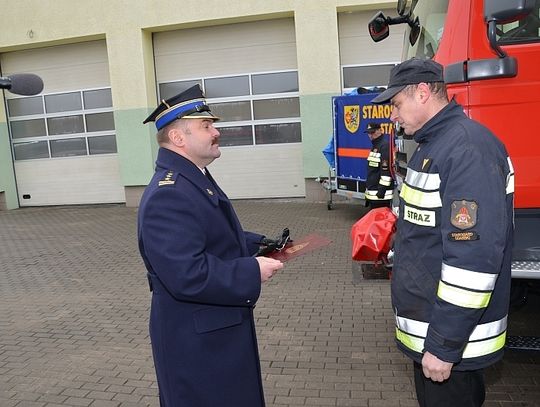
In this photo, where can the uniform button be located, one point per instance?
(248, 301)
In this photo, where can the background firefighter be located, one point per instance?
(379, 182)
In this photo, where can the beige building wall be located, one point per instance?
(127, 28)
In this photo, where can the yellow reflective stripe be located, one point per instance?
(461, 297)
(480, 332)
(472, 350)
(420, 198)
(468, 278)
(485, 347)
(384, 182)
(423, 180)
(411, 342)
(373, 164)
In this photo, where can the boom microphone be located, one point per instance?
(22, 83)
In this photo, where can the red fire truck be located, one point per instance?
(490, 50)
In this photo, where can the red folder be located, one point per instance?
(300, 247)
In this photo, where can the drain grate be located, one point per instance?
(523, 343)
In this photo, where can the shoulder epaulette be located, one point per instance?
(168, 180)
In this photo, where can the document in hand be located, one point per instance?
(300, 247)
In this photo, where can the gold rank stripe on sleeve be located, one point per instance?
(485, 339)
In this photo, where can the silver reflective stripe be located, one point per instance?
(423, 180)
(510, 165)
(412, 326)
(419, 198)
(482, 331)
(385, 180)
(467, 278)
(462, 297)
(510, 178)
(485, 339)
(372, 195)
(489, 329)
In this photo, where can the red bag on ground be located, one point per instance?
(372, 235)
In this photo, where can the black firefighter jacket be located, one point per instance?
(379, 182)
(451, 276)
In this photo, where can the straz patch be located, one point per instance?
(463, 236)
(464, 214)
(419, 217)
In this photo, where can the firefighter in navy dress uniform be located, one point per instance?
(204, 278)
(452, 264)
(379, 182)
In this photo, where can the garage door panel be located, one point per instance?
(63, 67)
(73, 180)
(226, 49)
(260, 172)
(274, 57)
(71, 73)
(222, 53)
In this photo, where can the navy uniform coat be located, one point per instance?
(205, 284)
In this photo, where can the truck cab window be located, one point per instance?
(523, 31)
(432, 15)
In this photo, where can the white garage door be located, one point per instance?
(248, 72)
(63, 140)
(364, 62)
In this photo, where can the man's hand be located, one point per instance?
(381, 193)
(436, 369)
(268, 267)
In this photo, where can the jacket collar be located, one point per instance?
(169, 160)
(437, 123)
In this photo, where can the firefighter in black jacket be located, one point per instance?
(379, 183)
(452, 264)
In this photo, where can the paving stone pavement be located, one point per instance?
(74, 312)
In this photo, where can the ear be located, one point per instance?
(424, 92)
(176, 137)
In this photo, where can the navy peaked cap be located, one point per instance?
(190, 104)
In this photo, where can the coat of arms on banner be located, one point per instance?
(351, 116)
